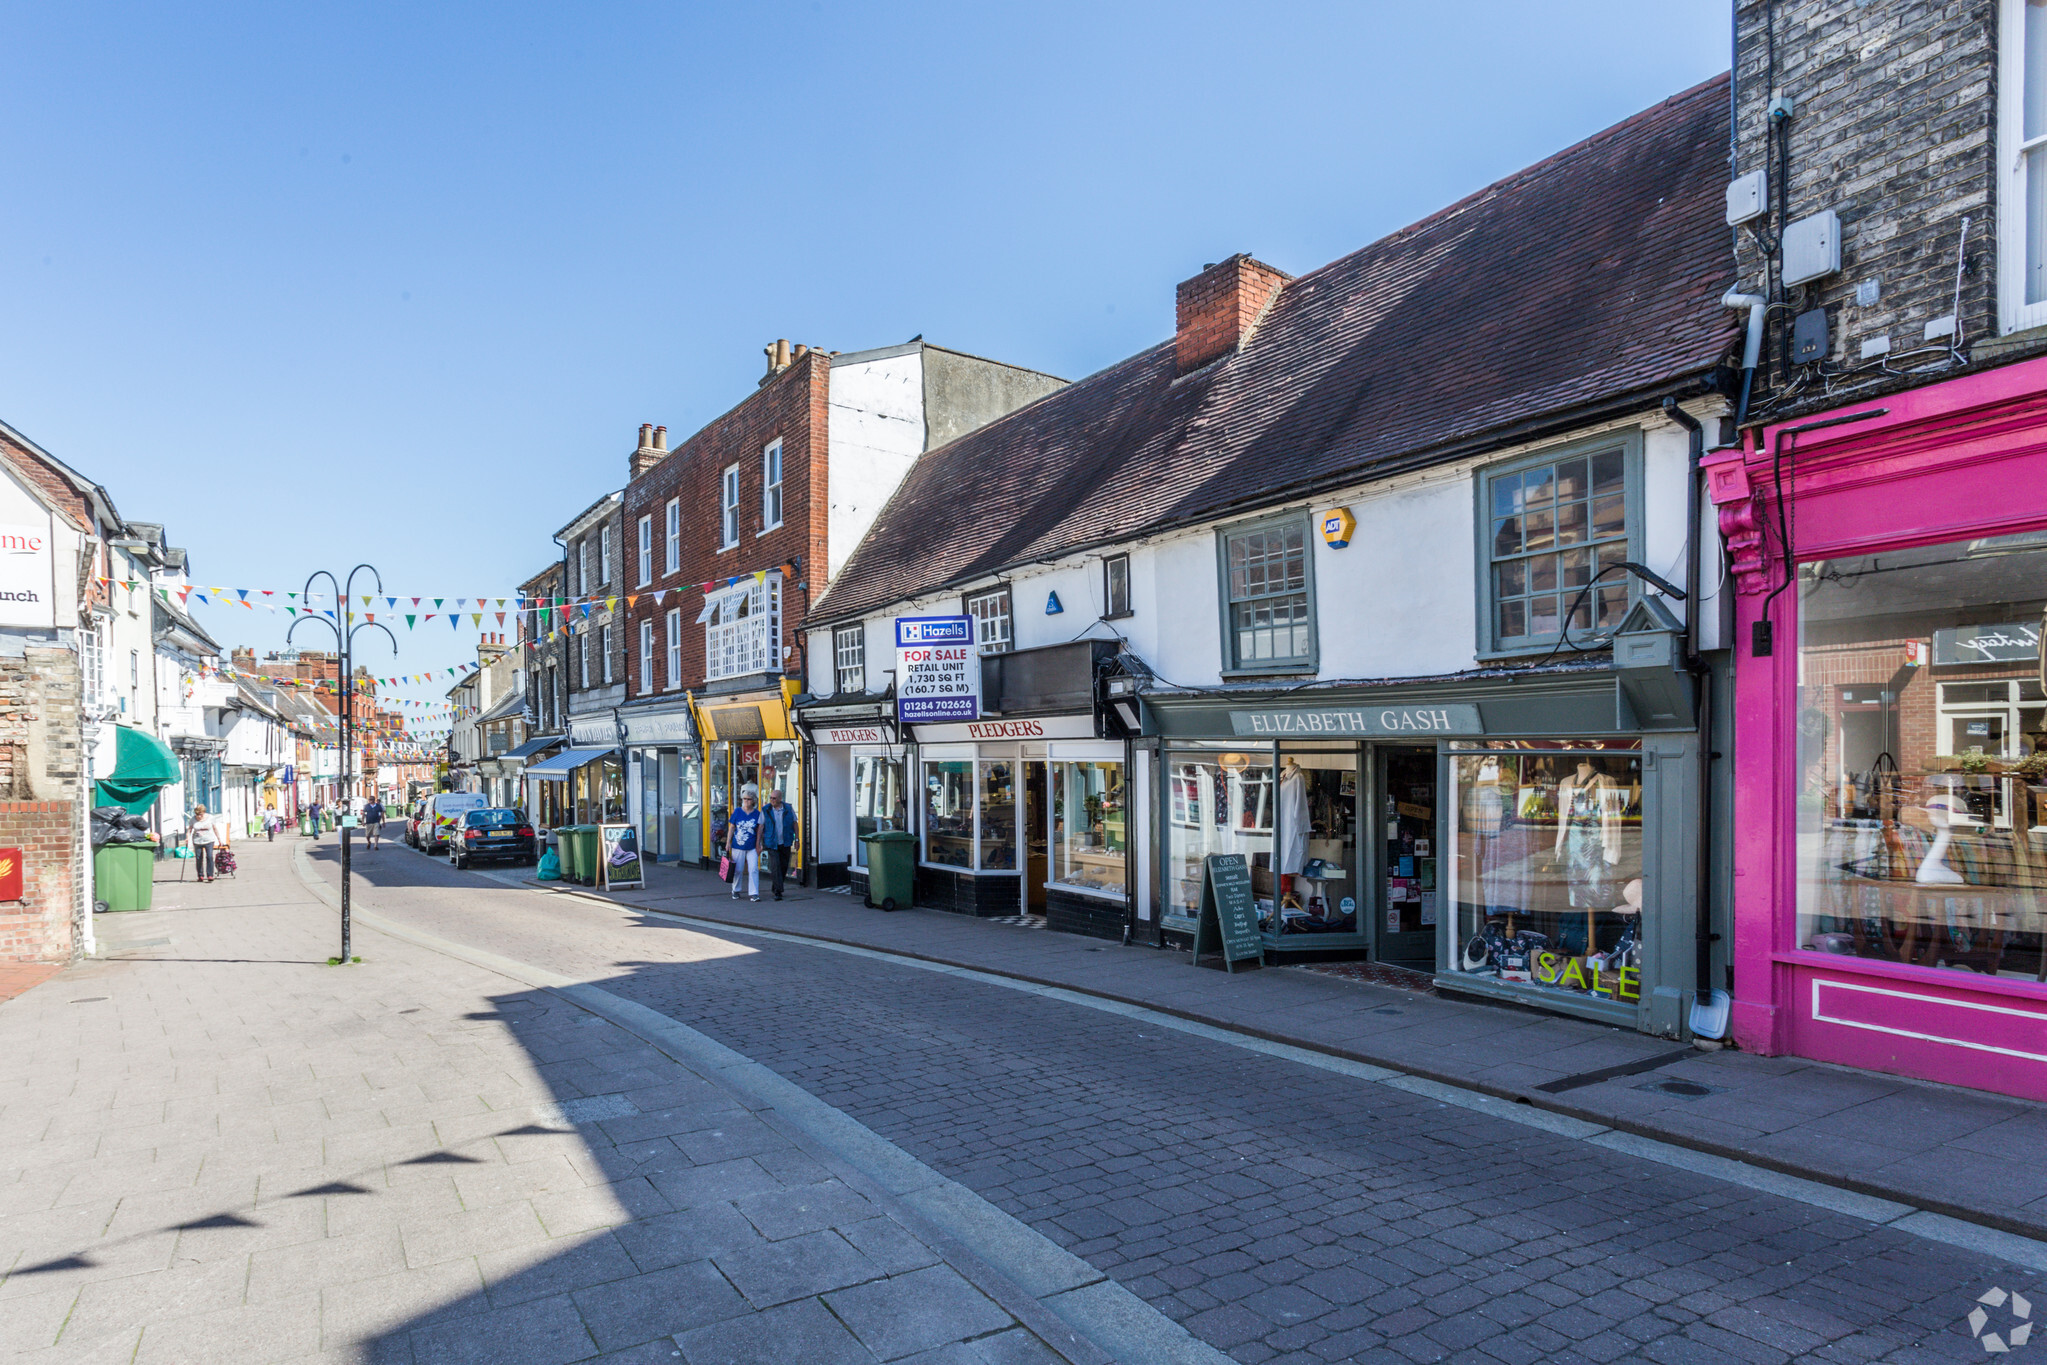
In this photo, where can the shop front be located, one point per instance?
(749, 741)
(860, 768)
(1028, 811)
(664, 779)
(1506, 836)
(544, 802)
(1892, 734)
(590, 773)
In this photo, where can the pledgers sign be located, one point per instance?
(1456, 719)
(1229, 915)
(938, 671)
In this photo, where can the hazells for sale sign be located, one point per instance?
(938, 671)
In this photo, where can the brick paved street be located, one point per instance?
(1280, 1211)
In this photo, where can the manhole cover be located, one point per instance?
(1684, 1090)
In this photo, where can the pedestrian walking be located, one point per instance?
(778, 839)
(270, 826)
(373, 820)
(743, 844)
(203, 837)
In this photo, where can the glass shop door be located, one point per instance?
(1409, 900)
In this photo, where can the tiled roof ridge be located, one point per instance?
(1526, 174)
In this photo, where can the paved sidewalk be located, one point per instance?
(223, 1149)
(1952, 1151)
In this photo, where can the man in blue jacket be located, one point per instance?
(778, 836)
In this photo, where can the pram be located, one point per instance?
(223, 862)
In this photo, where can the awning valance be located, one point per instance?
(558, 768)
(143, 765)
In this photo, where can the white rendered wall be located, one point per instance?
(874, 431)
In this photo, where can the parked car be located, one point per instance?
(493, 834)
(414, 823)
(444, 813)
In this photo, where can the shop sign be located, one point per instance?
(664, 727)
(851, 734)
(10, 874)
(593, 732)
(938, 670)
(26, 597)
(1454, 719)
(618, 857)
(1051, 727)
(2014, 643)
(736, 722)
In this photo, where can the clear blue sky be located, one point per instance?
(314, 284)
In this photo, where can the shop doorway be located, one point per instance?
(1405, 922)
(1036, 841)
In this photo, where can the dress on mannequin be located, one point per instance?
(1293, 818)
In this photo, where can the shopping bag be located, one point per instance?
(725, 868)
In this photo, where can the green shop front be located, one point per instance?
(1523, 837)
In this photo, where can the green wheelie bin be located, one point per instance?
(124, 875)
(586, 855)
(565, 849)
(891, 868)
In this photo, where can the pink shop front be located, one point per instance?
(1890, 839)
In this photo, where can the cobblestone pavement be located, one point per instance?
(218, 1148)
(1281, 1212)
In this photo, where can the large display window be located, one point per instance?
(1218, 801)
(880, 799)
(1922, 757)
(1547, 873)
(1090, 837)
(949, 814)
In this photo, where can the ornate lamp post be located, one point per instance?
(344, 626)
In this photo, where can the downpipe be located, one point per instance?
(1702, 676)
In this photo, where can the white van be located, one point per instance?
(445, 811)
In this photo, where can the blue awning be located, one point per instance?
(558, 768)
(531, 747)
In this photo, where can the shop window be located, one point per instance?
(1115, 587)
(1547, 872)
(849, 657)
(1268, 597)
(992, 627)
(673, 563)
(1553, 533)
(646, 574)
(1220, 802)
(1922, 763)
(2022, 130)
(729, 519)
(674, 648)
(949, 814)
(1090, 835)
(998, 816)
(880, 800)
(771, 487)
(742, 629)
(646, 657)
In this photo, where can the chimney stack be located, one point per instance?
(650, 451)
(1219, 307)
(778, 356)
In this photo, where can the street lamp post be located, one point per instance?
(344, 626)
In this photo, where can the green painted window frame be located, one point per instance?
(1232, 666)
(1629, 443)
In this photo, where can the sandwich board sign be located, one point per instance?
(1228, 919)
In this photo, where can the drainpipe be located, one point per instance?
(1752, 348)
(1702, 675)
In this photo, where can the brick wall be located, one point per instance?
(42, 802)
(1894, 128)
(791, 406)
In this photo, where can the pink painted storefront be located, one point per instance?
(1890, 888)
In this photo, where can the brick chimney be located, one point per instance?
(653, 450)
(1219, 307)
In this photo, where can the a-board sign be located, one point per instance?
(1228, 921)
(618, 857)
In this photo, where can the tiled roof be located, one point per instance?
(1591, 278)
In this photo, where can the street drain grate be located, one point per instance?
(1684, 1090)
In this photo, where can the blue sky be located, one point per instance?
(321, 284)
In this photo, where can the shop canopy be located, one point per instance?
(531, 747)
(558, 768)
(143, 765)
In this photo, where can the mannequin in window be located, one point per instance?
(1588, 844)
(1293, 818)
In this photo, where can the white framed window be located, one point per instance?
(1116, 586)
(582, 566)
(729, 529)
(993, 632)
(1268, 595)
(849, 657)
(674, 648)
(2022, 139)
(604, 645)
(604, 555)
(743, 629)
(92, 649)
(771, 487)
(646, 657)
(583, 656)
(673, 564)
(134, 669)
(646, 574)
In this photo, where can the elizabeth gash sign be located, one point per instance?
(938, 671)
